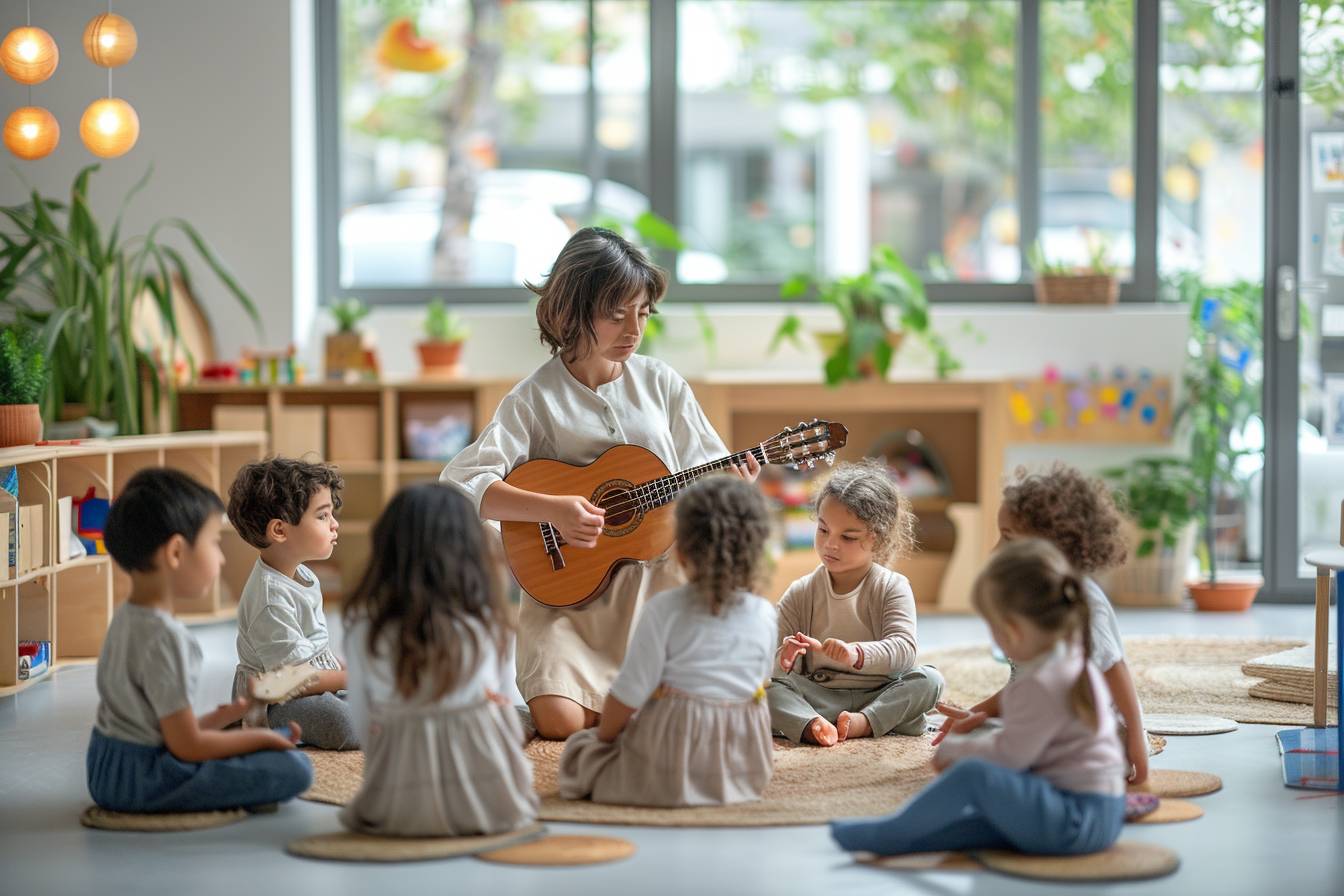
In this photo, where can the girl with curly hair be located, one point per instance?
(1076, 514)
(688, 702)
(846, 661)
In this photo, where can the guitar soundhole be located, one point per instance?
(622, 507)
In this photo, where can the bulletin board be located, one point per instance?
(1120, 407)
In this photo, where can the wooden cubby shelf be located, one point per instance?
(70, 603)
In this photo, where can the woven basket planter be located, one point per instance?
(1077, 289)
(20, 424)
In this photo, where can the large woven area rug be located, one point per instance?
(1172, 674)
(810, 785)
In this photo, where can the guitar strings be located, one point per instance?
(778, 452)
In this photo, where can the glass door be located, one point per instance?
(1304, 273)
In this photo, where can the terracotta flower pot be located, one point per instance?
(1224, 597)
(20, 424)
(439, 357)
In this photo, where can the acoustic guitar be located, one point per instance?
(636, 490)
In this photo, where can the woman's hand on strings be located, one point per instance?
(579, 520)
(749, 470)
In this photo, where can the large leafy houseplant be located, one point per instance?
(79, 282)
(884, 300)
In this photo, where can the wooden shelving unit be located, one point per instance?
(70, 604)
(966, 420)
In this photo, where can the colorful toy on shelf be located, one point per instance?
(1090, 407)
(90, 520)
(219, 372)
(34, 659)
(270, 367)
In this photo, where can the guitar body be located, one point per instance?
(629, 535)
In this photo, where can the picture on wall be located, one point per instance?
(1327, 162)
(1332, 251)
(1333, 422)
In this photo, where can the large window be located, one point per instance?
(464, 140)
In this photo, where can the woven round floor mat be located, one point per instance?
(1186, 725)
(1123, 861)
(567, 849)
(923, 861)
(107, 820)
(1170, 811)
(1172, 784)
(345, 846)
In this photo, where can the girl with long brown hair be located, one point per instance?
(427, 647)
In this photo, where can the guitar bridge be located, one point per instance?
(551, 540)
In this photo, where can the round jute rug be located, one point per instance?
(107, 820)
(1182, 725)
(1172, 674)
(345, 846)
(1123, 861)
(568, 849)
(1170, 811)
(1172, 784)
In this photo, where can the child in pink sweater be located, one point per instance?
(1051, 780)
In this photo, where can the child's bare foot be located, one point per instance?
(852, 724)
(820, 732)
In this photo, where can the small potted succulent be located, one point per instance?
(1062, 284)
(23, 379)
(444, 335)
(345, 347)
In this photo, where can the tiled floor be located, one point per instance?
(1257, 837)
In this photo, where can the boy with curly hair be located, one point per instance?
(1077, 514)
(286, 509)
(846, 662)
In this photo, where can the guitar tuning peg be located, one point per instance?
(811, 463)
(830, 458)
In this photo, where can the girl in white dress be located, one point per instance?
(686, 722)
(595, 392)
(426, 635)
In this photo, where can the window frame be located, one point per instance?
(663, 154)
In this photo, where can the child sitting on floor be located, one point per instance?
(1051, 779)
(693, 673)
(286, 509)
(846, 662)
(1076, 514)
(427, 644)
(149, 751)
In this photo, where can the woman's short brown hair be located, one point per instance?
(595, 274)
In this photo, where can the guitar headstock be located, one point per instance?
(806, 443)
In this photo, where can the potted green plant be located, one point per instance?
(1093, 283)
(444, 335)
(1221, 384)
(62, 271)
(877, 309)
(1157, 494)
(344, 349)
(23, 379)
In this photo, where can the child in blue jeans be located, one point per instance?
(1051, 780)
(149, 751)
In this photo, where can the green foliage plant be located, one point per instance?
(23, 366)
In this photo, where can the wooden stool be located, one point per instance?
(1327, 561)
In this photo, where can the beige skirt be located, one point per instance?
(577, 653)
(678, 750)
(434, 772)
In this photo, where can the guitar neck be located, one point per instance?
(657, 492)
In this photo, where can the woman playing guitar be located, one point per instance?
(593, 393)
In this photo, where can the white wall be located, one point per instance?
(211, 84)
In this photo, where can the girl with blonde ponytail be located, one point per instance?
(1051, 779)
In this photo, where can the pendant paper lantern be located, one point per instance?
(29, 55)
(109, 40)
(31, 132)
(109, 127)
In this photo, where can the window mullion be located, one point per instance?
(662, 155)
(1147, 58)
(1028, 122)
